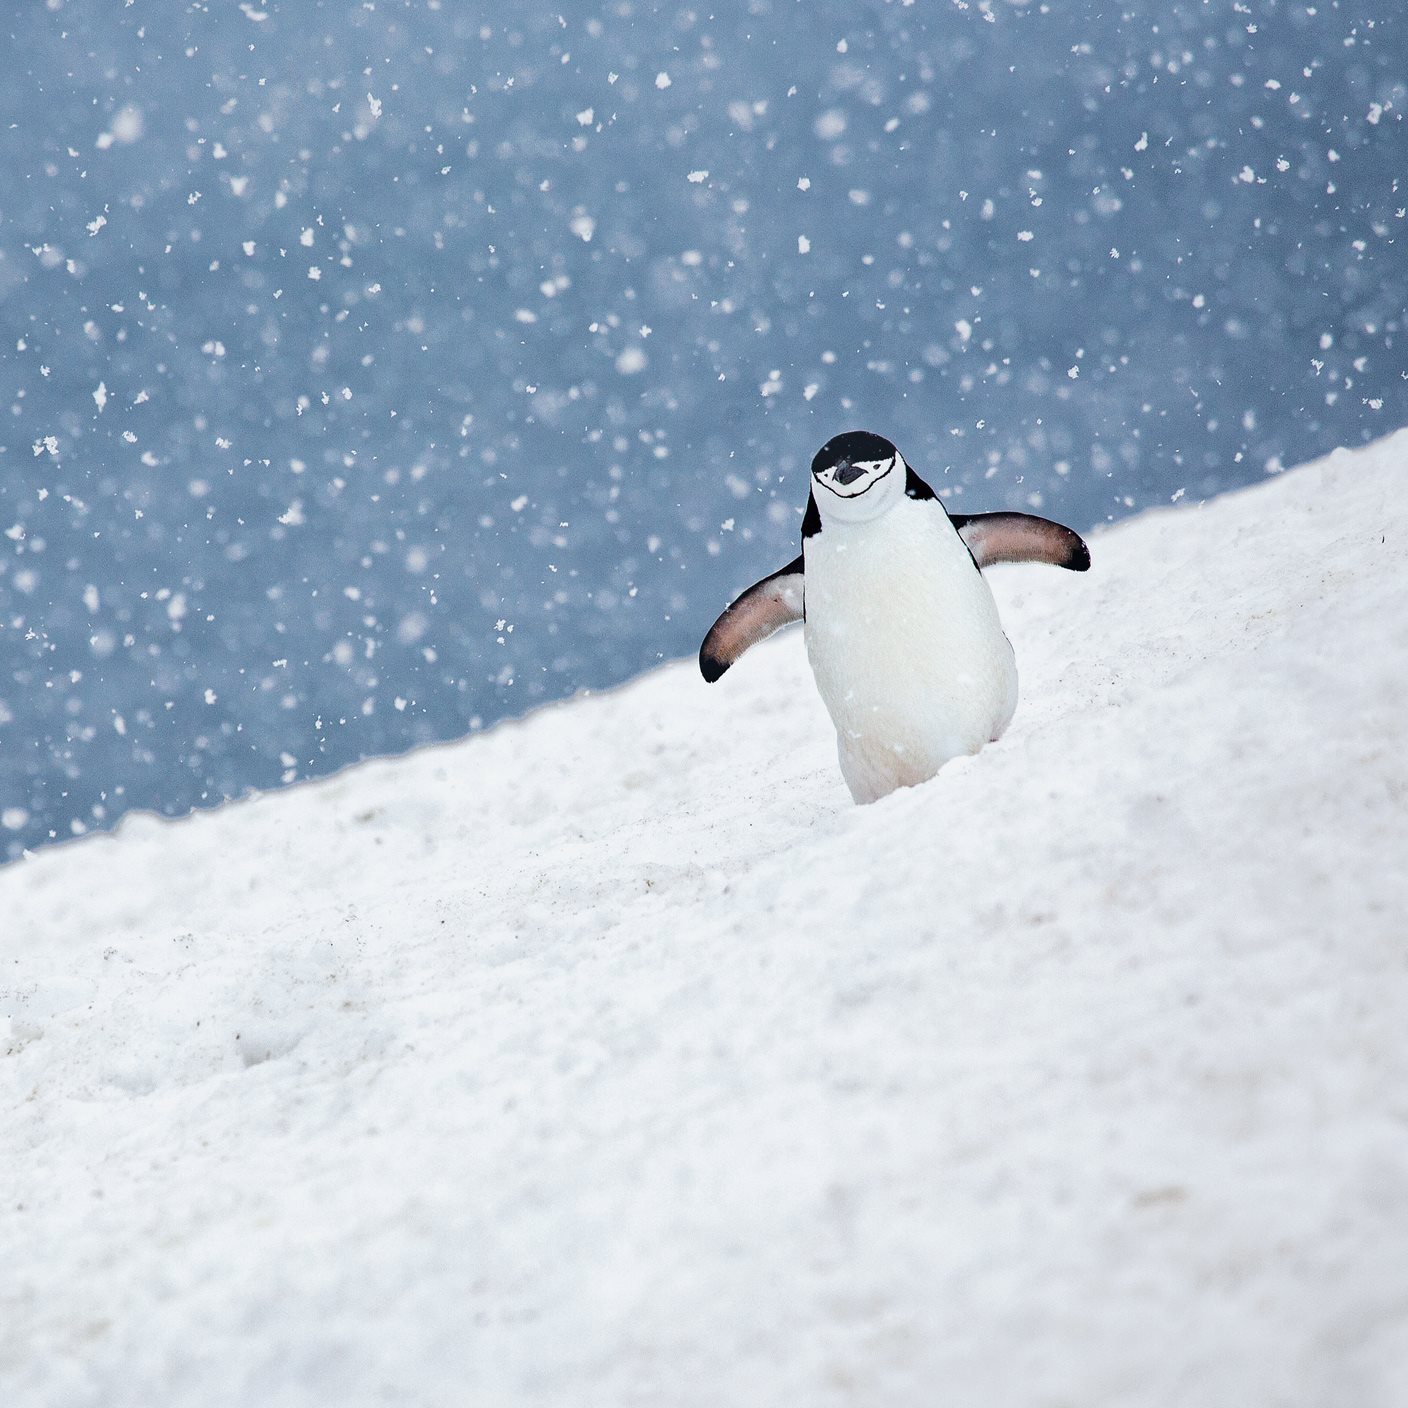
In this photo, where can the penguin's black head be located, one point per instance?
(851, 464)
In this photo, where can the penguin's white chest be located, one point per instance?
(904, 639)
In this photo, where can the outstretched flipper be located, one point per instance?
(765, 607)
(1021, 537)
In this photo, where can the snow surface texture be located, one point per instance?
(614, 1057)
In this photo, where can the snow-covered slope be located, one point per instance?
(616, 1058)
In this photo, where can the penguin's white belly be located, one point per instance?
(905, 642)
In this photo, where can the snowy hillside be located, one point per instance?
(376, 370)
(614, 1057)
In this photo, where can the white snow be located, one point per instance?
(614, 1057)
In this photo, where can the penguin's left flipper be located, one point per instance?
(1021, 537)
(765, 607)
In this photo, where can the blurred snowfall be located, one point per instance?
(375, 371)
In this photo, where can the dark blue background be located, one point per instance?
(1078, 256)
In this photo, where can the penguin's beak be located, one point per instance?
(849, 479)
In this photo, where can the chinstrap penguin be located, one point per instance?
(901, 630)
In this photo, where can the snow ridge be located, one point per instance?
(615, 1057)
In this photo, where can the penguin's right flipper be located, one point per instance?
(765, 607)
(1021, 537)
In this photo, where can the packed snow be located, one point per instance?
(615, 1057)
